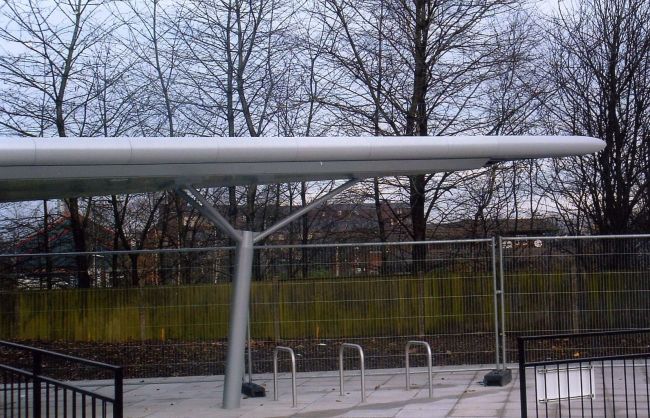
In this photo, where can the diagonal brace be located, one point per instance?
(199, 202)
(297, 214)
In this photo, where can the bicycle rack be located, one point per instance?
(363, 369)
(406, 352)
(275, 373)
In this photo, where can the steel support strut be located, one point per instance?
(238, 322)
(241, 285)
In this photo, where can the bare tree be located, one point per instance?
(512, 105)
(235, 55)
(600, 66)
(434, 57)
(44, 81)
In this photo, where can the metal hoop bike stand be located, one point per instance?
(293, 373)
(363, 369)
(406, 355)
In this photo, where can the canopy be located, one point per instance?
(44, 168)
(67, 167)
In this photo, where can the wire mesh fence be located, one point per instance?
(372, 295)
(170, 315)
(165, 312)
(113, 269)
(576, 284)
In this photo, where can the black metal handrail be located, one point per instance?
(37, 378)
(584, 334)
(586, 359)
(523, 363)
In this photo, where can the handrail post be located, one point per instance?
(362, 368)
(293, 373)
(37, 369)
(118, 406)
(429, 364)
(522, 376)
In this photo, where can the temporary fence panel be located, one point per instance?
(174, 321)
(165, 312)
(315, 297)
(102, 269)
(575, 284)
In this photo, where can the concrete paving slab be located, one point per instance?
(455, 394)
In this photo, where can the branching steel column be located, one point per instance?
(241, 285)
(238, 322)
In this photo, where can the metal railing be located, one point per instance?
(407, 350)
(294, 393)
(470, 302)
(52, 397)
(574, 284)
(613, 384)
(362, 368)
(182, 300)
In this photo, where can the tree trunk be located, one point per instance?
(79, 238)
(418, 219)
(232, 216)
(304, 239)
(416, 124)
(135, 276)
(381, 226)
(46, 246)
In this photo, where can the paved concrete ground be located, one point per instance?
(456, 394)
(619, 390)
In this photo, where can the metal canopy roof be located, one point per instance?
(66, 167)
(44, 168)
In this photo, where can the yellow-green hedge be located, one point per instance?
(331, 308)
(328, 308)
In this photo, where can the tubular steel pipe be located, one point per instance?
(363, 369)
(504, 358)
(406, 356)
(196, 199)
(495, 290)
(238, 320)
(576, 237)
(294, 393)
(292, 217)
(37, 368)
(257, 247)
(240, 298)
